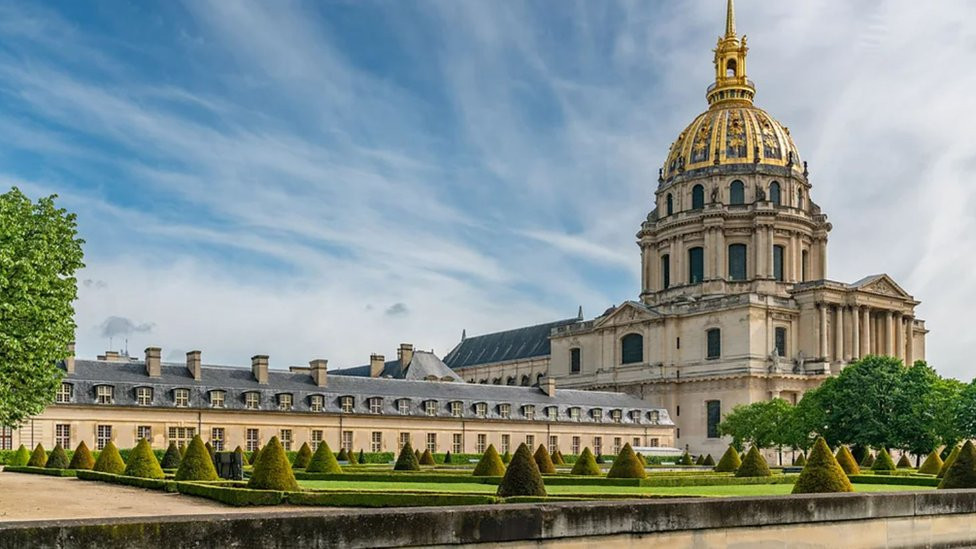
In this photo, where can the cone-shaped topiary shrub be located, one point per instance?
(800, 460)
(142, 462)
(868, 460)
(21, 457)
(58, 458)
(544, 461)
(196, 463)
(211, 452)
(522, 478)
(272, 471)
(626, 465)
(240, 451)
(685, 459)
(427, 458)
(323, 461)
(586, 465)
(303, 456)
(506, 457)
(182, 451)
(109, 460)
(38, 457)
(82, 458)
(822, 473)
(342, 455)
(730, 461)
(408, 459)
(640, 458)
(700, 460)
(172, 457)
(847, 462)
(904, 462)
(709, 461)
(932, 464)
(962, 472)
(490, 464)
(883, 462)
(447, 457)
(362, 458)
(948, 461)
(753, 465)
(557, 458)
(417, 454)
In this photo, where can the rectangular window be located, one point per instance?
(217, 399)
(375, 405)
(481, 409)
(65, 392)
(144, 396)
(6, 438)
(316, 403)
(696, 265)
(316, 437)
(528, 411)
(284, 401)
(551, 413)
(105, 394)
(598, 446)
(251, 440)
(575, 361)
(778, 263)
(530, 442)
(252, 400)
(285, 436)
(617, 444)
(404, 439)
(432, 442)
(574, 447)
(597, 414)
(346, 403)
(181, 397)
(665, 271)
(403, 406)
(144, 432)
(430, 407)
(714, 415)
(346, 441)
(574, 414)
(636, 442)
(616, 416)
(458, 446)
(482, 443)
(506, 443)
(181, 435)
(781, 342)
(737, 261)
(62, 435)
(654, 442)
(376, 442)
(217, 439)
(553, 444)
(714, 343)
(103, 435)
(505, 410)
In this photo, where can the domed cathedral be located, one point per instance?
(735, 305)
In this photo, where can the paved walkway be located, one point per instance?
(38, 497)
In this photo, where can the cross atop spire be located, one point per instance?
(730, 20)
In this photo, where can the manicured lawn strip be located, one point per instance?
(41, 471)
(927, 481)
(235, 496)
(150, 483)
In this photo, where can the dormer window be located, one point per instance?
(403, 406)
(597, 414)
(144, 396)
(105, 394)
(481, 409)
(456, 409)
(346, 404)
(528, 411)
(505, 410)
(285, 401)
(252, 400)
(316, 403)
(181, 398)
(65, 393)
(574, 413)
(551, 413)
(635, 416)
(654, 416)
(430, 407)
(616, 416)
(375, 405)
(217, 399)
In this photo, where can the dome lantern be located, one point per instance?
(731, 84)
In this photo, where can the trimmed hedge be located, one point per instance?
(883, 462)
(109, 460)
(238, 497)
(82, 458)
(272, 471)
(903, 480)
(685, 459)
(544, 461)
(822, 473)
(949, 459)
(490, 465)
(342, 455)
(142, 463)
(196, 463)
(408, 460)
(323, 461)
(139, 482)
(58, 458)
(627, 465)
(367, 499)
(962, 472)
(586, 465)
(522, 478)
(388, 476)
(729, 462)
(303, 456)
(847, 462)
(447, 458)
(700, 460)
(506, 457)
(557, 458)
(38, 457)
(40, 471)
(932, 464)
(426, 458)
(754, 465)
(172, 457)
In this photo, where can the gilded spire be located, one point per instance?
(730, 20)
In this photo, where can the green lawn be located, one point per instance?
(717, 491)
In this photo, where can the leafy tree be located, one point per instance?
(39, 254)
(915, 414)
(965, 411)
(761, 424)
(863, 401)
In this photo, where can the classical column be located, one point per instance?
(910, 347)
(890, 333)
(823, 331)
(839, 333)
(866, 335)
(722, 266)
(855, 333)
(757, 253)
(823, 258)
(794, 258)
(769, 251)
(900, 337)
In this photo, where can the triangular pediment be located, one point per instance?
(627, 313)
(881, 284)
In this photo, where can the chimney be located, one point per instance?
(376, 364)
(153, 366)
(549, 388)
(319, 368)
(259, 367)
(193, 365)
(69, 361)
(405, 354)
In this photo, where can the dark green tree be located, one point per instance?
(39, 254)
(962, 472)
(426, 458)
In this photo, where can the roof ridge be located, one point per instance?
(566, 321)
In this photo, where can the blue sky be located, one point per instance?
(328, 179)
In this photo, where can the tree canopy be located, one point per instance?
(39, 254)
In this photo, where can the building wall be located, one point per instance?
(499, 373)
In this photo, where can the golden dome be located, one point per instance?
(733, 131)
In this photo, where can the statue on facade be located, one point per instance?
(714, 194)
(760, 193)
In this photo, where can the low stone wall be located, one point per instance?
(906, 519)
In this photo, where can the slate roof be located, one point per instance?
(125, 377)
(423, 365)
(517, 344)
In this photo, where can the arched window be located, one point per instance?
(730, 68)
(538, 379)
(737, 193)
(774, 193)
(525, 381)
(665, 271)
(778, 262)
(697, 197)
(510, 380)
(737, 262)
(670, 200)
(496, 381)
(696, 265)
(713, 343)
(632, 349)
